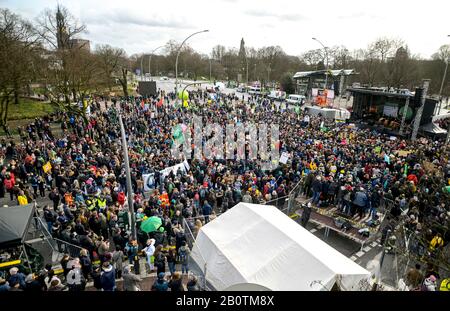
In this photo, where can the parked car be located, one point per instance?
(164, 78)
(296, 100)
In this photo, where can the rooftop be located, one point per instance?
(334, 73)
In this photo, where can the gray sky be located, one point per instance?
(141, 25)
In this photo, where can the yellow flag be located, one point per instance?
(47, 167)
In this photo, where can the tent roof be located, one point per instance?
(14, 222)
(259, 244)
(334, 73)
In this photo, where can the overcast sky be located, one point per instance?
(142, 25)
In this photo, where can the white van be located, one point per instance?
(296, 100)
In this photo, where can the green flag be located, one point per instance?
(178, 134)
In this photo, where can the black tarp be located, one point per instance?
(14, 222)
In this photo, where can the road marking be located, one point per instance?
(367, 248)
(373, 244)
(353, 258)
(359, 254)
(313, 230)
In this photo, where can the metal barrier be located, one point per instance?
(68, 248)
(194, 268)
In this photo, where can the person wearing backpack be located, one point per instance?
(160, 285)
(183, 253)
(160, 260)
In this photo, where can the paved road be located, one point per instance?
(367, 257)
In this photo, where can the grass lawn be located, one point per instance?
(29, 109)
(25, 113)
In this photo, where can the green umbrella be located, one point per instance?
(151, 224)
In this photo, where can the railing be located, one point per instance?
(199, 272)
(57, 244)
(67, 248)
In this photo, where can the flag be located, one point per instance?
(377, 149)
(178, 134)
(47, 167)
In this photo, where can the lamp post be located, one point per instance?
(178, 54)
(246, 60)
(209, 69)
(128, 175)
(326, 68)
(150, 61)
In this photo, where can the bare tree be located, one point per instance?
(109, 61)
(69, 71)
(18, 46)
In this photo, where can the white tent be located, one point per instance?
(259, 244)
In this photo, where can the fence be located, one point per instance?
(194, 267)
(51, 248)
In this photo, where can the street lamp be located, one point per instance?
(246, 60)
(150, 61)
(178, 54)
(128, 174)
(210, 69)
(326, 54)
(440, 96)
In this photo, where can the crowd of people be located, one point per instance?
(81, 171)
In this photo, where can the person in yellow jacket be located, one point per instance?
(22, 198)
(90, 205)
(436, 242)
(101, 202)
(445, 285)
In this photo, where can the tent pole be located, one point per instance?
(204, 277)
(26, 255)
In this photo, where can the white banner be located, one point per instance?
(149, 181)
(165, 172)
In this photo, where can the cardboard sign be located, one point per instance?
(284, 158)
(403, 153)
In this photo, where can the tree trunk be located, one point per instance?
(124, 82)
(16, 94)
(4, 110)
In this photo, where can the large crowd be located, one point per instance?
(82, 172)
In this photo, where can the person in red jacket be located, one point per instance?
(9, 184)
(413, 178)
(121, 198)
